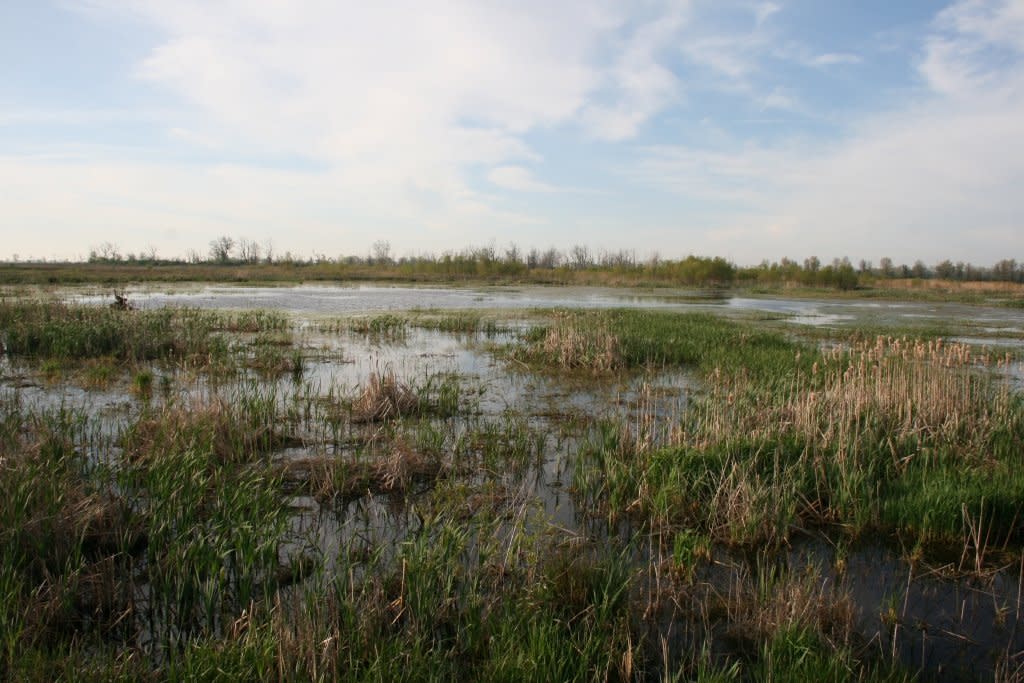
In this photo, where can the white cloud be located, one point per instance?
(181, 207)
(765, 10)
(517, 178)
(639, 84)
(834, 58)
(400, 103)
(977, 50)
(351, 82)
(937, 178)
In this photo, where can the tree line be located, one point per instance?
(512, 261)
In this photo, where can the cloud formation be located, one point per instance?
(936, 177)
(724, 128)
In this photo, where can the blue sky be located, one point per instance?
(746, 129)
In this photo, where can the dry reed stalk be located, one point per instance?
(746, 506)
(953, 286)
(649, 427)
(326, 476)
(573, 344)
(909, 389)
(778, 601)
(383, 398)
(211, 422)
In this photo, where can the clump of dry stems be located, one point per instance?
(781, 600)
(327, 476)
(574, 342)
(909, 389)
(229, 433)
(383, 398)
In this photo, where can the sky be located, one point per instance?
(745, 129)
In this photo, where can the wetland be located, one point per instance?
(508, 483)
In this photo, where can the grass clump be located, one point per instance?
(457, 600)
(386, 397)
(213, 543)
(460, 322)
(381, 327)
(64, 541)
(572, 342)
(392, 469)
(240, 427)
(100, 554)
(142, 383)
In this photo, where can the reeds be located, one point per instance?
(232, 428)
(573, 342)
(384, 397)
(328, 477)
(920, 390)
(385, 327)
(889, 433)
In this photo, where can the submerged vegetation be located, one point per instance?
(240, 511)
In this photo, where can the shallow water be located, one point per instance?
(343, 300)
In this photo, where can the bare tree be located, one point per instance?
(945, 270)
(550, 258)
(580, 255)
(105, 253)
(248, 250)
(886, 266)
(512, 253)
(220, 249)
(532, 258)
(382, 251)
(1005, 269)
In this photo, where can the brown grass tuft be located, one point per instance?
(230, 433)
(781, 600)
(327, 477)
(385, 397)
(575, 342)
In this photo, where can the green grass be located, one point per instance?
(459, 322)
(381, 327)
(76, 332)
